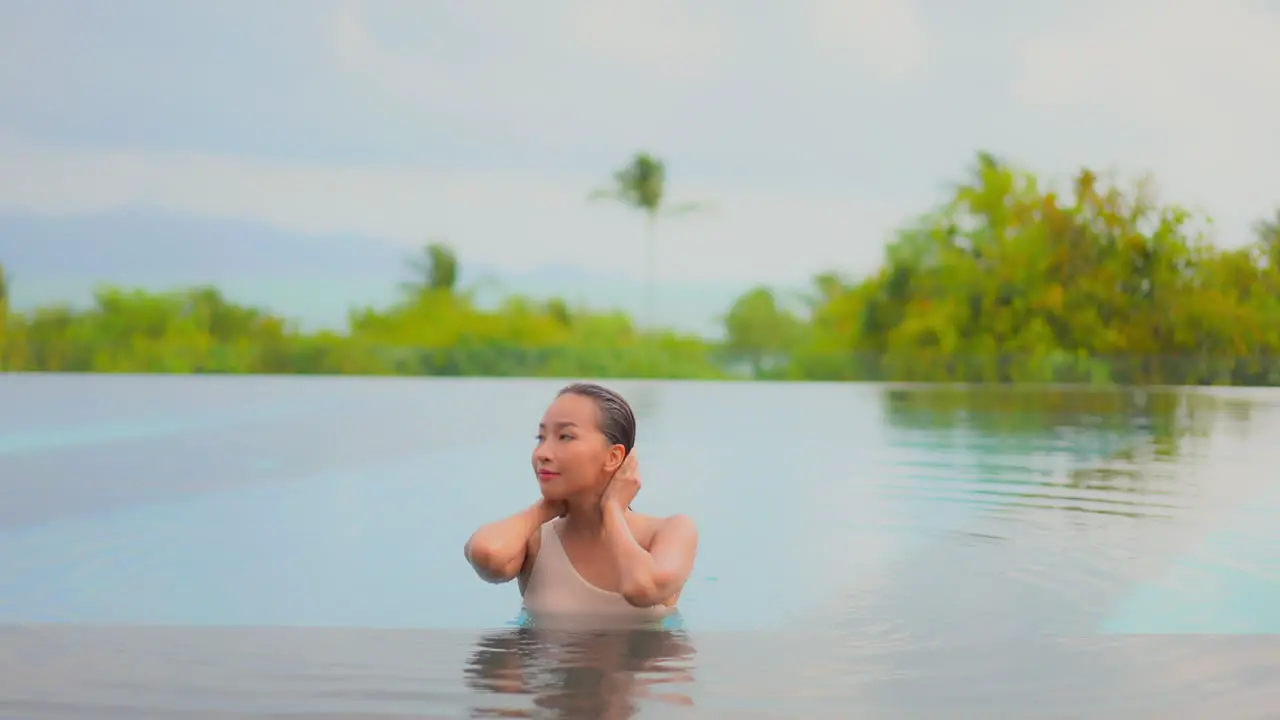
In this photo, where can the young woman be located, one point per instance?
(581, 550)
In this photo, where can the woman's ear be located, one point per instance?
(614, 459)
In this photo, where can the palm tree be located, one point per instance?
(641, 185)
(434, 268)
(1268, 234)
(4, 318)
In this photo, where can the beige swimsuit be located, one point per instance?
(556, 589)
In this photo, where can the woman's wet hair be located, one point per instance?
(617, 419)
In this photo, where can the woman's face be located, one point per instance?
(572, 455)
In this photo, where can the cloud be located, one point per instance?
(560, 67)
(885, 37)
(575, 72)
(1188, 90)
(816, 126)
(534, 94)
(504, 219)
(679, 41)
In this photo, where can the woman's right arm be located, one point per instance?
(497, 550)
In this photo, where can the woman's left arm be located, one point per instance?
(650, 577)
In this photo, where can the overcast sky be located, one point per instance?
(815, 125)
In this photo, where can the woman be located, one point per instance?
(581, 550)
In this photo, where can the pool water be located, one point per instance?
(223, 546)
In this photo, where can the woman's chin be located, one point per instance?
(558, 491)
(552, 492)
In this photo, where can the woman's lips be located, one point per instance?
(545, 475)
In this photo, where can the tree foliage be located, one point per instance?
(1009, 280)
(1006, 280)
(435, 268)
(434, 330)
(641, 185)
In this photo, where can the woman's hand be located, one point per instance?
(624, 485)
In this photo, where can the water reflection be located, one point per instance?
(566, 672)
(1097, 422)
(911, 552)
(1118, 452)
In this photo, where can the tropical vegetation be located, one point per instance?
(1007, 279)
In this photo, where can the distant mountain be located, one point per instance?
(315, 279)
(144, 247)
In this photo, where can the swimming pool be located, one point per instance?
(889, 549)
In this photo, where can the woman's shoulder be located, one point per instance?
(645, 527)
(656, 521)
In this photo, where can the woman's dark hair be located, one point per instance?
(617, 419)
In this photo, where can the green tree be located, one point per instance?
(1268, 240)
(1008, 281)
(4, 319)
(760, 332)
(641, 185)
(826, 287)
(434, 268)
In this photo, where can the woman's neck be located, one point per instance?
(584, 517)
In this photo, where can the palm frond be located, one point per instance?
(689, 208)
(610, 194)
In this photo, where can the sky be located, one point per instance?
(815, 127)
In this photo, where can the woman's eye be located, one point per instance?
(537, 438)
(566, 437)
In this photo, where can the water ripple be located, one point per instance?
(884, 552)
